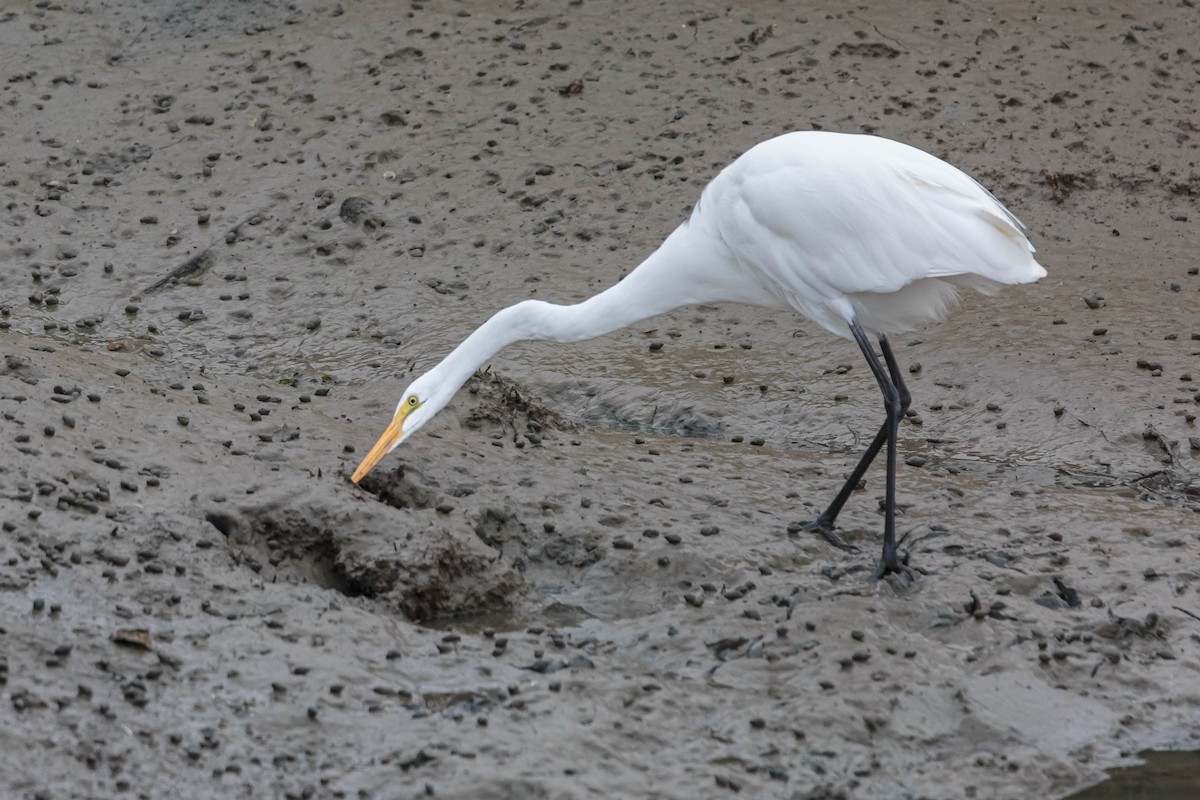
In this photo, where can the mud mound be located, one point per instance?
(501, 403)
(414, 564)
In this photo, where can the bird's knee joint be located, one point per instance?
(894, 403)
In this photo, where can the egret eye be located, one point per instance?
(412, 401)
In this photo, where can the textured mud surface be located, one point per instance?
(232, 231)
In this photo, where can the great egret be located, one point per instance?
(856, 232)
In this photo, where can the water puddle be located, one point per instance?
(1164, 775)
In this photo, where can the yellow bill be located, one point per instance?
(386, 442)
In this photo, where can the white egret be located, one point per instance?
(858, 233)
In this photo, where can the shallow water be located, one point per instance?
(1163, 775)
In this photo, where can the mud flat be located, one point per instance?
(233, 231)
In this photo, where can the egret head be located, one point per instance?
(424, 397)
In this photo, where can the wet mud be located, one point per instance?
(233, 232)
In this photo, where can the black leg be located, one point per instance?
(897, 375)
(896, 399)
(824, 524)
(891, 403)
(891, 561)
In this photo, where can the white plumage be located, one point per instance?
(828, 217)
(858, 233)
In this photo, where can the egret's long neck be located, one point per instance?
(677, 274)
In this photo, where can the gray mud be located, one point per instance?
(232, 232)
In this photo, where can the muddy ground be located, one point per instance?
(585, 578)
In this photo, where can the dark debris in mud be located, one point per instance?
(498, 400)
(399, 487)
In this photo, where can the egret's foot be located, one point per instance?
(895, 564)
(825, 531)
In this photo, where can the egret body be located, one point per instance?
(863, 235)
